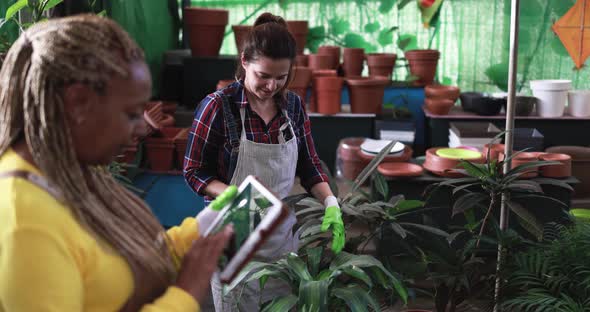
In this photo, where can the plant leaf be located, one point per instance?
(532, 224)
(366, 173)
(281, 304)
(314, 258)
(554, 182)
(51, 3)
(406, 42)
(468, 201)
(426, 228)
(398, 229)
(403, 3)
(246, 272)
(339, 26)
(13, 9)
(313, 295)
(526, 186)
(533, 164)
(356, 298)
(385, 6)
(298, 267)
(474, 170)
(381, 185)
(358, 273)
(372, 27)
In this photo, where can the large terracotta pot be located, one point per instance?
(423, 65)
(313, 105)
(320, 61)
(205, 28)
(352, 61)
(334, 52)
(302, 60)
(160, 149)
(349, 162)
(366, 95)
(563, 170)
(301, 81)
(240, 34)
(381, 64)
(329, 91)
(299, 30)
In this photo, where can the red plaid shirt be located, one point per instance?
(208, 151)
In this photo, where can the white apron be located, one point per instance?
(274, 165)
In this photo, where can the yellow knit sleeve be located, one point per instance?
(175, 299)
(38, 273)
(183, 236)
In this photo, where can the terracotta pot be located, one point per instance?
(334, 52)
(349, 161)
(442, 92)
(495, 151)
(403, 157)
(329, 91)
(240, 34)
(563, 170)
(206, 28)
(180, 141)
(301, 60)
(320, 61)
(160, 149)
(438, 106)
(301, 81)
(224, 83)
(299, 30)
(128, 155)
(522, 159)
(423, 65)
(352, 61)
(580, 166)
(366, 95)
(400, 169)
(313, 105)
(381, 64)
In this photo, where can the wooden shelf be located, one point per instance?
(458, 113)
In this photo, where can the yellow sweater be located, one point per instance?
(49, 262)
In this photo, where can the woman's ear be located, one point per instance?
(78, 99)
(243, 61)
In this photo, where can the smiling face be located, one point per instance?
(102, 124)
(265, 77)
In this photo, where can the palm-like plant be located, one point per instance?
(552, 276)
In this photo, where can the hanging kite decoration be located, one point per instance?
(573, 31)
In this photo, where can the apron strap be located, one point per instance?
(232, 127)
(35, 179)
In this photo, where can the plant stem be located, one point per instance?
(485, 219)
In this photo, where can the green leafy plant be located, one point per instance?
(552, 276)
(36, 8)
(324, 282)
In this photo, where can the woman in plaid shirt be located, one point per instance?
(255, 126)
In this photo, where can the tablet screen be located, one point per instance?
(245, 213)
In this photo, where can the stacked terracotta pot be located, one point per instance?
(381, 64)
(300, 81)
(299, 30)
(440, 99)
(206, 28)
(240, 34)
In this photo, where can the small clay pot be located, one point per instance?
(381, 64)
(443, 166)
(334, 52)
(562, 170)
(351, 163)
(438, 106)
(160, 149)
(301, 81)
(320, 61)
(423, 65)
(352, 61)
(400, 169)
(442, 92)
(240, 34)
(329, 91)
(299, 30)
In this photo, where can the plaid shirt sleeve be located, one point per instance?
(309, 168)
(204, 141)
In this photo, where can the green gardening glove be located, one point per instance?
(333, 220)
(224, 198)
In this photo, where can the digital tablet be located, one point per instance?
(255, 213)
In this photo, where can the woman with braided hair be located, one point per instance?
(72, 93)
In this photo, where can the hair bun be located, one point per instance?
(267, 17)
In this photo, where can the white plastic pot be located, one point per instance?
(552, 95)
(579, 103)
